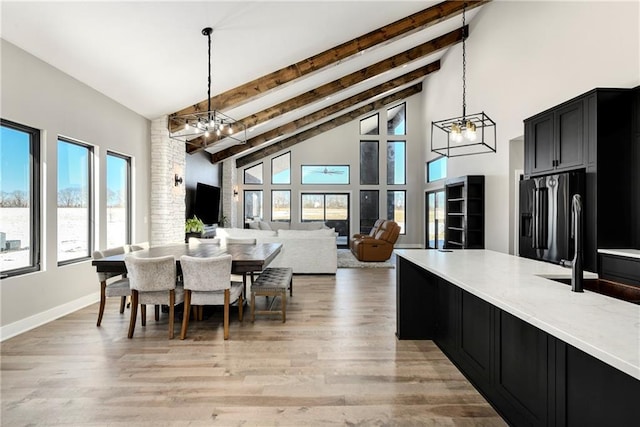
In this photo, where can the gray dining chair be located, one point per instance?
(111, 288)
(207, 281)
(152, 281)
(242, 241)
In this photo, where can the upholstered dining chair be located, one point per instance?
(111, 288)
(207, 281)
(140, 246)
(152, 281)
(235, 277)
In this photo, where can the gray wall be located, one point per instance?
(40, 96)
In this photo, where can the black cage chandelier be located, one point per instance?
(201, 127)
(468, 134)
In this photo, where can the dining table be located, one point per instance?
(244, 258)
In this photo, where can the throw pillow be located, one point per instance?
(254, 225)
(264, 226)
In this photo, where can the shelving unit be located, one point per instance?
(464, 212)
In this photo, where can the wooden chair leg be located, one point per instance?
(226, 314)
(134, 312)
(143, 314)
(103, 298)
(123, 302)
(157, 312)
(240, 307)
(291, 287)
(172, 301)
(200, 313)
(185, 316)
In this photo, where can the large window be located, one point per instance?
(396, 208)
(437, 169)
(19, 199)
(396, 124)
(281, 169)
(331, 208)
(75, 207)
(280, 205)
(396, 160)
(325, 174)
(369, 210)
(253, 205)
(118, 200)
(253, 175)
(369, 163)
(435, 219)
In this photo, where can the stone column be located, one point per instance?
(230, 205)
(167, 207)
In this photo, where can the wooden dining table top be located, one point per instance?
(244, 258)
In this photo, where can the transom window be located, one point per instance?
(253, 175)
(281, 169)
(325, 174)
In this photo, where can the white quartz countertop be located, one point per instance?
(629, 253)
(603, 327)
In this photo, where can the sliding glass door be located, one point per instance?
(331, 208)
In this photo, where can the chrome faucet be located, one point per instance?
(576, 233)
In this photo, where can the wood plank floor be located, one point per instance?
(336, 361)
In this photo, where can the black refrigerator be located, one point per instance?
(545, 215)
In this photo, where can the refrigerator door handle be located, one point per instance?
(536, 218)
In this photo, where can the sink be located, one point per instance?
(611, 289)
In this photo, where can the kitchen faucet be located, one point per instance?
(576, 233)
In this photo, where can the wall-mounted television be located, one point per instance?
(207, 204)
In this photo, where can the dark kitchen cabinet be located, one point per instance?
(620, 269)
(554, 140)
(464, 224)
(529, 376)
(594, 132)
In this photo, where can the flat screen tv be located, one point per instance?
(207, 203)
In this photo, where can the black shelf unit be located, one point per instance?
(464, 224)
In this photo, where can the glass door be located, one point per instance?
(331, 208)
(435, 219)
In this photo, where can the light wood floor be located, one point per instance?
(336, 361)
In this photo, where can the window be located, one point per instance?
(396, 163)
(437, 169)
(396, 124)
(19, 199)
(369, 210)
(369, 125)
(118, 200)
(281, 169)
(435, 219)
(75, 207)
(329, 174)
(280, 205)
(396, 208)
(331, 208)
(253, 175)
(253, 205)
(369, 163)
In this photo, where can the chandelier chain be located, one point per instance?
(209, 77)
(464, 65)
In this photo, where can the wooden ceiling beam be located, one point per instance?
(331, 88)
(328, 125)
(396, 30)
(293, 126)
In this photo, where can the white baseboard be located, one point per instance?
(24, 325)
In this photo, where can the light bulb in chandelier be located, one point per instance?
(230, 130)
(470, 131)
(218, 131)
(456, 132)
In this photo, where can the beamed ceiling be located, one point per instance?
(288, 70)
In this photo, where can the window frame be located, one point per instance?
(302, 174)
(288, 153)
(404, 178)
(244, 175)
(244, 204)
(439, 158)
(35, 220)
(403, 230)
(273, 198)
(128, 198)
(90, 201)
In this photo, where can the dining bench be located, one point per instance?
(272, 282)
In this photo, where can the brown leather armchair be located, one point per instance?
(378, 245)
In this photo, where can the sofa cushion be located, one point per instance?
(243, 233)
(315, 225)
(301, 234)
(279, 225)
(255, 225)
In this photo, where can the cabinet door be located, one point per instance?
(475, 337)
(539, 146)
(569, 136)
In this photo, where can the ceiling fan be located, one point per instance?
(327, 171)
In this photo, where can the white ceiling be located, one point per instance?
(151, 57)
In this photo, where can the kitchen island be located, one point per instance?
(543, 355)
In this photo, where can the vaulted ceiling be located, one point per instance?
(287, 70)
